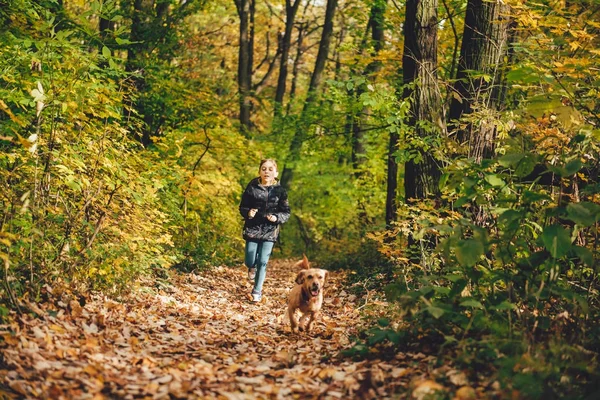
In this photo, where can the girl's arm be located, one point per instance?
(245, 204)
(283, 209)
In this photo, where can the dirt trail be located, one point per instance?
(196, 336)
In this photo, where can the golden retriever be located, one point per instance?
(306, 296)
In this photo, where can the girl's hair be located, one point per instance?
(268, 160)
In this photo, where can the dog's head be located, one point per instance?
(312, 280)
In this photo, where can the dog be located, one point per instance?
(306, 296)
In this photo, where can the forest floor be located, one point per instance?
(197, 335)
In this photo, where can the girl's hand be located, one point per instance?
(272, 218)
(252, 213)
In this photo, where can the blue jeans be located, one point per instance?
(257, 256)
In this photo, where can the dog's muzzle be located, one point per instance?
(314, 290)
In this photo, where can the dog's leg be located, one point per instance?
(313, 315)
(293, 322)
(302, 322)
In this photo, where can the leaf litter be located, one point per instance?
(199, 336)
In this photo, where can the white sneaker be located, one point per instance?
(256, 297)
(251, 273)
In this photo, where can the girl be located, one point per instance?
(264, 207)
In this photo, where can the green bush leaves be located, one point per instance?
(557, 240)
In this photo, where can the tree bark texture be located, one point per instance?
(422, 174)
(290, 15)
(391, 204)
(244, 62)
(480, 79)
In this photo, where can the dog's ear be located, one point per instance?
(300, 278)
(326, 275)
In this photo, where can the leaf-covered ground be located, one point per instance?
(199, 336)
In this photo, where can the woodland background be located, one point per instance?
(445, 152)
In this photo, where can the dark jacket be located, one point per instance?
(267, 200)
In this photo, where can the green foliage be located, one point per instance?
(84, 202)
(81, 205)
(513, 266)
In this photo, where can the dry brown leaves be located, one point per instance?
(197, 337)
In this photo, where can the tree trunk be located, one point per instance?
(391, 206)
(422, 174)
(305, 120)
(106, 28)
(295, 69)
(244, 59)
(290, 16)
(480, 76)
(135, 65)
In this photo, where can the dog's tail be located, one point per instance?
(303, 264)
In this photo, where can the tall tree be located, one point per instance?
(245, 10)
(479, 84)
(305, 120)
(419, 66)
(291, 8)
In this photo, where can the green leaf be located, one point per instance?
(557, 240)
(573, 167)
(394, 336)
(525, 167)
(469, 182)
(505, 305)
(532, 197)
(378, 336)
(584, 213)
(105, 51)
(585, 255)
(471, 303)
(511, 160)
(494, 180)
(436, 312)
(468, 252)
(462, 201)
(122, 41)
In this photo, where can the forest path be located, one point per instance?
(196, 336)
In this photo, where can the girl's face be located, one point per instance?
(268, 172)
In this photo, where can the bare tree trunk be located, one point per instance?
(295, 68)
(134, 64)
(421, 175)
(244, 62)
(480, 77)
(106, 27)
(290, 12)
(315, 79)
(305, 120)
(391, 205)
